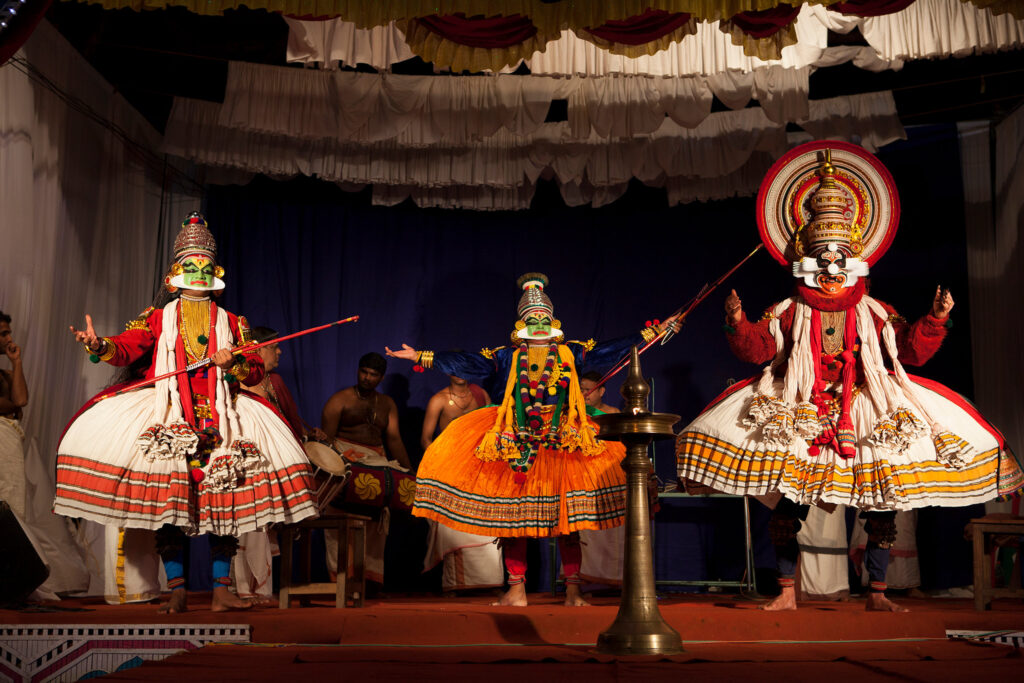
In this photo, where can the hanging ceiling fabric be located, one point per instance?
(722, 156)
(479, 35)
(923, 29)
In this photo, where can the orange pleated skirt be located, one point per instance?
(564, 491)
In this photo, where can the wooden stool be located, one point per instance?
(351, 532)
(983, 590)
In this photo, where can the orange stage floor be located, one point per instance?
(427, 638)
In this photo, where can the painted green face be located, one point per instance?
(198, 272)
(538, 326)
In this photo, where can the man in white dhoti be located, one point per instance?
(13, 397)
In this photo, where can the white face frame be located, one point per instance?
(809, 269)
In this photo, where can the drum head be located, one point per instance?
(325, 458)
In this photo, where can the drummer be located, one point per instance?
(362, 416)
(362, 425)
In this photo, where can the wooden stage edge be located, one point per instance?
(434, 621)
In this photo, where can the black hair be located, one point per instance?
(4, 318)
(374, 361)
(592, 375)
(262, 334)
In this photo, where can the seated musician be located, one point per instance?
(362, 423)
(471, 561)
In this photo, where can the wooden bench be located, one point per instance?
(351, 530)
(983, 561)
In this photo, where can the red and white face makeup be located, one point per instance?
(831, 271)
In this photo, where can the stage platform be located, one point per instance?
(429, 638)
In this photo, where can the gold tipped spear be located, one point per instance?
(244, 348)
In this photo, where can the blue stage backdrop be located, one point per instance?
(302, 253)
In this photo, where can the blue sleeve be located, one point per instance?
(605, 354)
(473, 366)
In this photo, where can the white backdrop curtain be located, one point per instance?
(995, 247)
(926, 29)
(79, 234)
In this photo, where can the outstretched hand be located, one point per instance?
(406, 352)
(733, 308)
(671, 324)
(88, 335)
(942, 304)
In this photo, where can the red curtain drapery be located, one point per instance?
(765, 23)
(640, 29)
(870, 8)
(484, 32)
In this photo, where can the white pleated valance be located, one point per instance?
(926, 29)
(366, 107)
(707, 161)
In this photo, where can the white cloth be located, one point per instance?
(109, 435)
(470, 561)
(12, 465)
(603, 554)
(723, 422)
(252, 565)
(823, 553)
(122, 563)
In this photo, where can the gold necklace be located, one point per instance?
(193, 323)
(452, 396)
(833, 325)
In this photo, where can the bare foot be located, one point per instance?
(877, 602)
(574, 597)
(177, 604)
(786, 600)
(515, 597)
(225, 601)
(257, 600)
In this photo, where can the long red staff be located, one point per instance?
(244, 348)
(684, 311)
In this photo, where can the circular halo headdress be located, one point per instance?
(784, 202)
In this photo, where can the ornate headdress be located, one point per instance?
(827, 206)
(535, 301)
(194, 239)
(830, 225)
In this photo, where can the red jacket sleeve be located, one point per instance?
(138, 339)
(916, 342)
(254, 372)
(754, 342)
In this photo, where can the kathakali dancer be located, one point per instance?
(191, 454)
(533, 466)
(834, 418)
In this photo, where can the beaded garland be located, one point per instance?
(552, 381)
